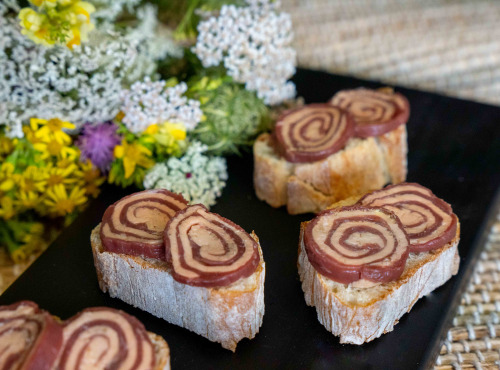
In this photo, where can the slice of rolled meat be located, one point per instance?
(105, 338)
(29, 337)
(313, 132)
(348, 244)
(375, 112)
(208, 250)
(428, 220)
(134, 225)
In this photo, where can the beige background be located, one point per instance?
(451, 47)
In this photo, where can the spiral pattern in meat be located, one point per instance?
(105, 338)
(313, 132)
(134, 225)
(374, 112)
(208, 250)
(352, 243)
(428, 220)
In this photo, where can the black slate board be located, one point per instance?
(454, 150)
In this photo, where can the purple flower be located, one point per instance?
(97, 142)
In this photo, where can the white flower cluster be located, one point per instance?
(253, 42)
(199, 178)
(148, 103)
(6, 5)
(79, 85)
(154, 40)
(108, 10)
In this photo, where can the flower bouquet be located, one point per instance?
(130, 93)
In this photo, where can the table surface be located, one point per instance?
(454, 149)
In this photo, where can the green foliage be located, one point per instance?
(233, 116)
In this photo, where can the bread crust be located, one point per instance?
(364, 164)
(162, 351)
(359, 315)
(224, 315)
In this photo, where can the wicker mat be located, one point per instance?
(474, 339)
(446, 46)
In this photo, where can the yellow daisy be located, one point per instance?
(91, 178)
(7, 209)
(7, 182)
(33, 179)
(60, 204)
(55, 148)
(63, 176)
(28, 199)
(52, 128)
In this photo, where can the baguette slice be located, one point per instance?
(224, 315)
(364, 164)
(359, 315)
(162, 351)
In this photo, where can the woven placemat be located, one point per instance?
(445, 46)
(474, 339)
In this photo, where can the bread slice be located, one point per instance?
(162, 351)
(360, 315)
(224, 315)
(364, 164)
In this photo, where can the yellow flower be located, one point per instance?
(28, 199)
(65, 162)
(169, 136)
(50, 129)
(7, 208)
(31, 21)
(59, 21)
(53, 147)
(41, 3)
(133, 154)
(58, 175)
(92, 178)
(35, 26)
(33, 179)
(177, 130)
(169, 131)
(6, 177)
(60, 204)
(6, 146)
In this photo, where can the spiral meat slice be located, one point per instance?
(29, 337)
(313, 132)
(208, 250)
(353, 243)
(374, 112)
(134, 225)
(105, 338)
(428, 220)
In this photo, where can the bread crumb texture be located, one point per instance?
(224, 315)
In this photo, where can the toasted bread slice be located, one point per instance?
(224, 315)
(364, 164)
(359, 315)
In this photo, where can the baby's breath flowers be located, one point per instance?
(198, 177)
(253, 44)
(148, 103)
(65, 22)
